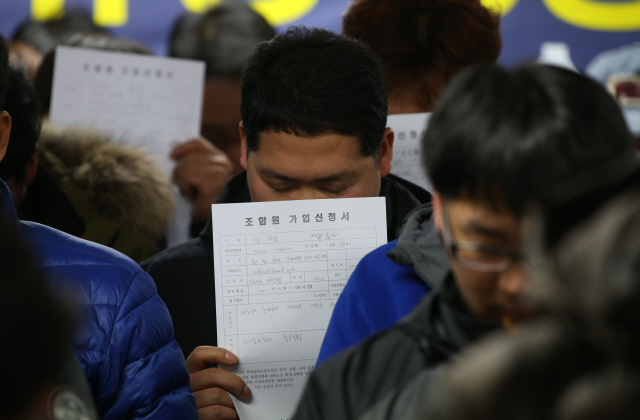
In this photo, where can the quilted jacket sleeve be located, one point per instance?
(143, 375)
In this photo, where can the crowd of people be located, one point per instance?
(510, 292)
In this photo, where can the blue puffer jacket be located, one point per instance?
(387, 284)
(125, 340)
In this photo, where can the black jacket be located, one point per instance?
(371, 379)
(184, 274)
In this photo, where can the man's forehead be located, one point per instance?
(482, 214)
(298, 141)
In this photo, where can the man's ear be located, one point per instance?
(386, 152)
(243, 147)
(5, 132)
(436, 201)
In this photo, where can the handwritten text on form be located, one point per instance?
(279, 267)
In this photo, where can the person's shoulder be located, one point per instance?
(379, 280)
(368, 372)
(405, 188)
(59, 249)
(378, 263)
(379, 255)
(185, 255)
(377, 349)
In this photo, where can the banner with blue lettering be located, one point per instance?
(587, 27)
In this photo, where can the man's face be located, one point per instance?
(221, 115)
(491, 296)
(288, 167)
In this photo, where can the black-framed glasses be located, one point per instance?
(476, 256)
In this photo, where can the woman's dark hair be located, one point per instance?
(424, 43)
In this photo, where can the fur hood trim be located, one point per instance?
(123, 182)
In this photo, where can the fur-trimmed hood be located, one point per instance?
(123, 182)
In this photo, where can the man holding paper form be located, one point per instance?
(313, 126)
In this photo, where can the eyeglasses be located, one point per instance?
(475, 256)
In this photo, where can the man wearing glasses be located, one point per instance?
(498, 144)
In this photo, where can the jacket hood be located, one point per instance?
(420, 247)
(122, 181)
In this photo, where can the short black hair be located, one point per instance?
(224, 37)
(21, 102)
(45, 35)
(537, 133)
(36, 327)
(4, 70)
(309, 82)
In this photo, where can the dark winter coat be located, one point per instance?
(372, 379)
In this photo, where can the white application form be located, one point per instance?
(147, 101)
(279, 268)
(406, 162)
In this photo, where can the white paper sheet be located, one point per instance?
(408, 129)
(279, 268)
(148, 101)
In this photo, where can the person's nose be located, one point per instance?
(512, 281)
(309, 193)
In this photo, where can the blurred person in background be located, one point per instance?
(579, 361)
(423, 45)
(45, 35)
(88, 184)
(34, 38)
(44, 77)
(498, 142)
(224, 38)
(618, 70)
(36, 327)
(81, 181)
(24, 57)
(124, 342)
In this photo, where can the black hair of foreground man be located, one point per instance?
(309, 82)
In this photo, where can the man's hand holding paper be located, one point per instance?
(211, 385)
